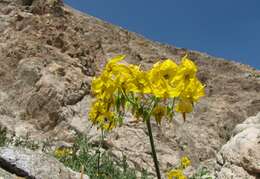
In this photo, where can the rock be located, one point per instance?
(44, 6)
(30, 164)
(240, 157)
(251, 122)
(234, 171)
(6, 175)
(29, 70)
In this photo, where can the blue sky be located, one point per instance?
(222, 28)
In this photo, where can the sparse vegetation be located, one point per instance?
(6, 140)
(96, 164)
(25, 143)
(3, 137)
(178, 172)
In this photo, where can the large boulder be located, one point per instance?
(31, 164)
(240, 157)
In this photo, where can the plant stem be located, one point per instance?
(98, 151)
(155, 160)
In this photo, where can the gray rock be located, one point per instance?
(6, 175)
(240, 157)
(234, 172)
(29, 70)
(27, 163)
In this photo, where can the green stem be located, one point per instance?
(98, 162)
(98, 151)
(155, 160)
(128, 99)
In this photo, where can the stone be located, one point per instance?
(6, 175)
(240, 157)
(31, 164)
(233, 172)
(29, 70)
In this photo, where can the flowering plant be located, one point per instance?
(159, 92)
(178, 173)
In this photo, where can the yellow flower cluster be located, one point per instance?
(185, 162)
(121, 83)
(178, 173)
(62, 152)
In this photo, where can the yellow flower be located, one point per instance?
(165, 80)
(107, 121)
(158, 112)
(97, 108)
(113, 61)
(103, 86)
(187, 67)
(124, 74)
(176, 174)
(100, 115)
(160, 76)
(165, 69)
(62, 152)
(185, 162)
(186, 71)
(139, 82)
(193, 91)
(187, 85)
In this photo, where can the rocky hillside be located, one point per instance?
(48, 55)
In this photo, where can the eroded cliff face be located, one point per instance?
(50, 52)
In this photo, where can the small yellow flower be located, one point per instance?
(160, 76)
(185, 72)
(113, 61)
(62, 152)
(187, 67)
(176, 174)
(165, 69)
(103, 86)
(193, 91)
(101, 116)
(185, 162)
(139, 82)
